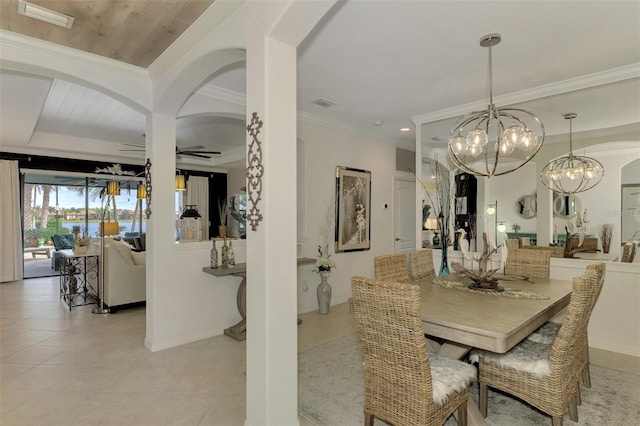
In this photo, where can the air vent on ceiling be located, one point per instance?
(323, 103)
(43, 14)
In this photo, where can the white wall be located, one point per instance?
(328, 147)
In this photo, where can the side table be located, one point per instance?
(77, 272)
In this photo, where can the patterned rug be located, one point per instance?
(331, 393)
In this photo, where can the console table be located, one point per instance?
(76, 272)
(239, 331)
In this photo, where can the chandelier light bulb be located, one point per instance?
(477, 138)
(514, 134)
(529, 139)
(458, 144)
(506, 147)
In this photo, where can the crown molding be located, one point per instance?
(46, 49)
(583, 82)
(219, 11)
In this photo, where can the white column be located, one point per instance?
(271, 249)
(160, 149)
(544, 215)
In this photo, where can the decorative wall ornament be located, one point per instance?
(353, 218)
(115, 169)
(255, 171)
(147, 182)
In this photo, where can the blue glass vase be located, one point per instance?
(444, 265)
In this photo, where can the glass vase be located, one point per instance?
(444, 265)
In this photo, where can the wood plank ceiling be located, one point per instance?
(131, 31)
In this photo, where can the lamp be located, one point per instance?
(472, 147)
(141, 192)
(501, 227)
(106, 228)
(113, 188)
(181, 185)
(572, 173)
(491, 208)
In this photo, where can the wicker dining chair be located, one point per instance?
(404, 384)
(391, 267)
(628, 253)
(547, 332)
(528, 262)
(512, 243)
(422, 264)
(545, 376)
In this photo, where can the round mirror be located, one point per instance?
(566, 206)
(527, 206)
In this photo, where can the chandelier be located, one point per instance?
(573, 173)
(495, 141)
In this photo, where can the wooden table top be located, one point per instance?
(485, 321)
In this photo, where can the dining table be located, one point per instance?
(458, 319)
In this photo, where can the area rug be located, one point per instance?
(331, 393)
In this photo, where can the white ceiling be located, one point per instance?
(390, 61)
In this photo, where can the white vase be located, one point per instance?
(323, 291)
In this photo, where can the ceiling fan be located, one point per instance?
(193, 151)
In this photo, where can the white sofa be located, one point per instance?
(124, 275)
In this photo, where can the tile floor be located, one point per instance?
(76, 368)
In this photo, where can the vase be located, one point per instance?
(444, 265)
(323, 291)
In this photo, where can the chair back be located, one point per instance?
(524, 241)
(398, 383)
(422, 264)
(512, 243)
(588, 243)
(391, 267)
(528, 262)
(628, 253)
(584, 294)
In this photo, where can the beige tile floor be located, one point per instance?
(76, 368)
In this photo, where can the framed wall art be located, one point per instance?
(353, 200)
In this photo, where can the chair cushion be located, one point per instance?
(526, 356)
(139, 257)
(546, 333)
(449, 376)
(61, 242)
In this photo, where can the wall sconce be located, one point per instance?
(181, 184)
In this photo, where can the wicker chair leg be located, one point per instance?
(586, 376)
(578, 395)
(573, 410)
(368, 419)
(482, 403)
(556, 421)
(462, 414)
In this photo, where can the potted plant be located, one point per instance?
(515, 228)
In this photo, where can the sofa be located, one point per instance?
(124, 275)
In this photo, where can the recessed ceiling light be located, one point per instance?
(405, 129)
(378, 123)
(45, 15)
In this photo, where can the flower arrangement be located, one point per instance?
(515, 228)
(324, 263)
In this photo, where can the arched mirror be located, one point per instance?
(527, 206)
(566, 206)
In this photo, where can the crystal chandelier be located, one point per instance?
(495, 141)
(573, 173)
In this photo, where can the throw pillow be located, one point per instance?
(61, 243)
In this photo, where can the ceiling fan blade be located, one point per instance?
(196, 155)
(189, 148)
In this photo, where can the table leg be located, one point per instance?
(239, 331)
(457, 351)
